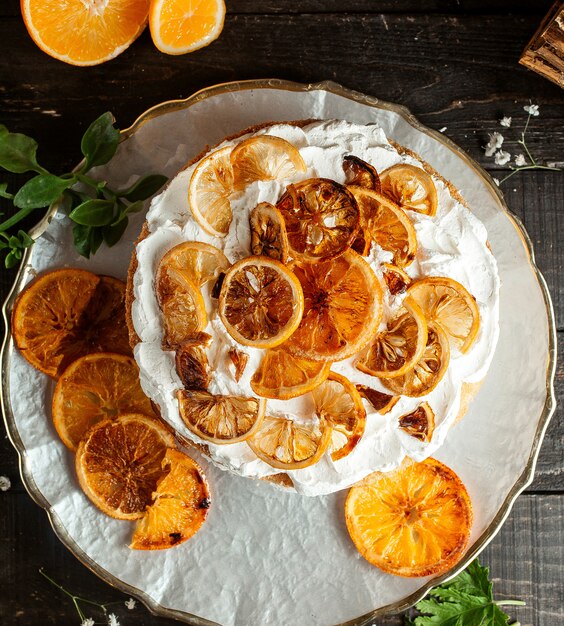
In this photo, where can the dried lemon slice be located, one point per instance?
(208, 194)
(268, 232)
(360, 173)
(261, 302)
(411, 187)
(220, 419)
(239, 359)
(395, 278)
(286, 445)
(413, 521)
(192, 364)
(382, 402)
(197, 262)
(321, 218)
(419, 423)
(449, 304)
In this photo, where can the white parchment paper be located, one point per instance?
(267, 557)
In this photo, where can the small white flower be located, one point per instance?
(5, 483)
(505, 121)
(496, 181)
(130, 604)
(502, 157)
(520, 160)
(112, 620)
(88, 622)
(532, 109)
(495, 142)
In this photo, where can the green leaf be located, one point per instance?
(96, 238)
(18, 153)
(4, 193)
(25, 240)
(3, 130)
(112, 234)
(11, 259)
(100, 141)
(81, 239)
(144, 188)
(474, 580)
(41, 191)
(126, 210)
(93, 213)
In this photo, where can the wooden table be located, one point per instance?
(455, 66)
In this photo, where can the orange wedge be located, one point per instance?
(239, 359)
(382, 402)
(84, 32)
(360, 173)
(268, 232)
(197, 262)
(413, 521)
(181, 26)
(411, 187)
(192, 364)
(419, 423)
(395, 278)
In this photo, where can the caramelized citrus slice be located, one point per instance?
(412, 521)
(395, 278)
(220, 419)
(192, 364)
(119, 462)
(92, 389)
(360, 173)
(411, 187)
(397, 349)
(180, 505)
(196, 262)
(287, 445)
(239, 360)
(419, 423)
(343, 307)
(268, 232)
(339, 404)
(210, 187)
(321, 218)
(428, 371)
(265, 158)
(387, 224)
(261, 302)
(449, 304)
(65, 314)
(282, 375)
(382, 402)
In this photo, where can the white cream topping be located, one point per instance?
(453, 243)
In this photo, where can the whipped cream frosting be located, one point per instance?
(453, 243)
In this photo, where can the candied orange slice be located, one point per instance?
(387, 225)
(321, 217)
(426, 374)
(265, 157)
(397, 349)
(413, 521)
(92, 389)
(339, 404)
(449, 304)
(282, 375)
(67, 313)
(261, 302)
(119, 462)
(382, 402)
(419, 423)
(239, 360)
(220, 419)
(196, 262)
(192, 364)
(208, 194)
(360, 173)
(268, 232)
(395, 278)
(181, 502)
(287, 445)
(411, 187)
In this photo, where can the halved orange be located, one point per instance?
(342, 311)
(195, 261)
(268, 232)
(447, 303)
(360, 173)
(208, 194)
(192, 364)
(181, 26)
(419, 423)
(181, 502)
(239, 360)
(382, 402)
(261, 302)
(339, 404)
(411, 187)
(92, 389)
(412, 521)
(265, 157)
(282, 375)
(321, 217)
(220, 419)
(395, 278)
(287, 445)
(119, 462)
(84, 32)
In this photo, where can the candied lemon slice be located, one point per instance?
(395, 278)
(382, 402)
(448, 303)
(419, 423)
(412, 521)
(360, 173)
(192, 364)
(261, 302)
(411, 187)
(196, 262)
(268, 232)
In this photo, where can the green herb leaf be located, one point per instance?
(93, 213)
(3, 130)
(112, 234)
(25, 240)
(4, 193)
(144, 188)
(11, 259)
(18, 153)
(81, 239)
(100, 141)
(96, 238)
(41, 191)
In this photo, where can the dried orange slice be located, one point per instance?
(265, 157)
(360, 173)
(92, 389)
(282, 375)
(239, 360)
(68, 313)
(84, 33)
(287, 445)
(181, 26)
(395, 278)
(449, 304)
(426, 374)
(220, 419)
(339, 404)
(268, 232)
(396, 350)
(382, 402)
(192, 364)
(412, 521)
(419, 423)
(387, 225)
(208, 194)
(321, 218)
(181, 502)
(119, 462)
(411, 187)
(194, 261)
(261, 302)
(342, 310)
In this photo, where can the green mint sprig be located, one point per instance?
(99, 213)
